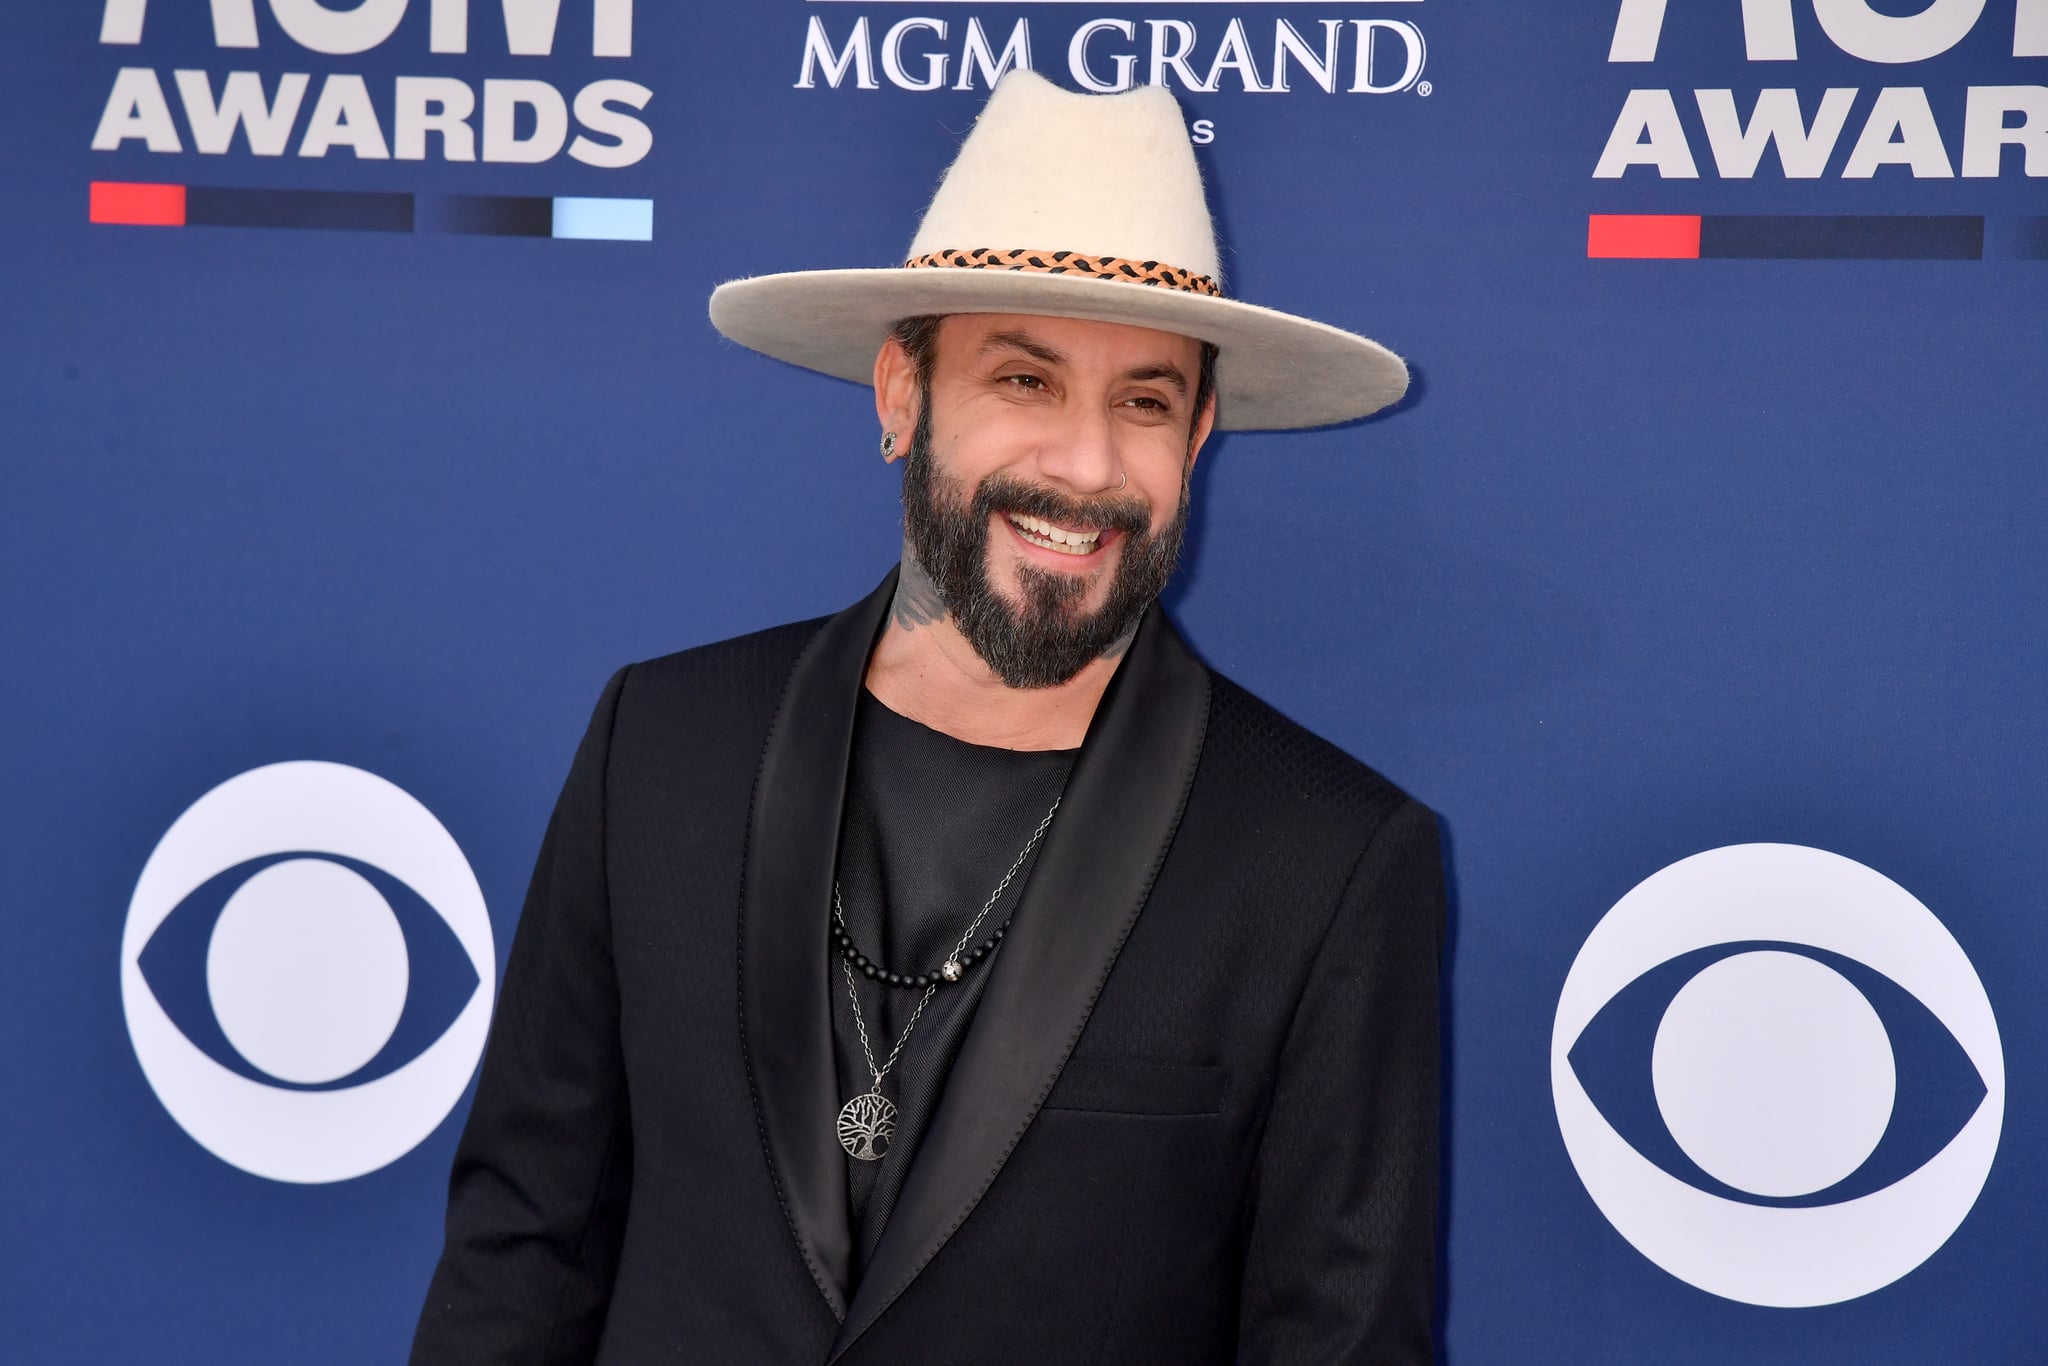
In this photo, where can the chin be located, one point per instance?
(1012, 569)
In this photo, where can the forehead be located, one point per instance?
(1074, 341)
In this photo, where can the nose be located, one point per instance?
(1081, 452)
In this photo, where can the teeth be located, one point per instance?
(1040, 532)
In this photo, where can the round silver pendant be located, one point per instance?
(866, 1124)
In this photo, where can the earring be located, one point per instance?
(888, 445)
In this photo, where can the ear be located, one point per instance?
(1205, 422)
(896, 393)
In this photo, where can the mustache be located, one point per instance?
(1007, 493)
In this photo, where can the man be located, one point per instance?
(974, 976)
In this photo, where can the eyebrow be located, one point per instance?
(1021, 341)
(1161, 371)
(1039, 351)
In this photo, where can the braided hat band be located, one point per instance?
(1070, 263)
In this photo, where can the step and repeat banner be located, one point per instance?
(359, 415)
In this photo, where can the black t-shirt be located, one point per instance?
(932, 823)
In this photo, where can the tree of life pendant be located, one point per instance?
(866, 1124)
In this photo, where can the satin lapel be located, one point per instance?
(785, 1013)
(1122, 805)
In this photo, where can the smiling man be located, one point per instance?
(975, 976)
(1034, 545)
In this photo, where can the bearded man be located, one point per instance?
(974, 976)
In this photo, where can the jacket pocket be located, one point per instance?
(1139, 1088)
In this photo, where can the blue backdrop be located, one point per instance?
(1738, 544)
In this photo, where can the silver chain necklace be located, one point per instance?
(867, 1123)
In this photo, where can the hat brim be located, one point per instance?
(1275, 371)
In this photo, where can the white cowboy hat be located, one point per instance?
(1077, 206)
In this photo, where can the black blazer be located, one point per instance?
(1194, 1119)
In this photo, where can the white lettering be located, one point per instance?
(121, 21)
(433, 104)
(854, 56)
(1175, 57)
(1638, 24)
(344, 117)
(338, 33)
(1767, 34)
(1986, 134)
(529, 32)
(268, 126)
(594, 111)
(1860, 31)
(1369, 31)
(1900, 131)
(1286, 42)
(2030, 29)
(974, 55)
(1077, 56)
(502, 100)
(1647, 133)
(234, 22)
(1803, 152)
(530, 27)
(612, 32)
(136, 108)
(1766, 31)
(1852, 25)
(313, 24)
(448, 27)
(1235, 54)
(892, 55)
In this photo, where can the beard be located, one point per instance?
(1049, 637)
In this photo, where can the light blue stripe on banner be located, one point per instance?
(609, 220)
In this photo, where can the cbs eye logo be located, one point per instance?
(307, 972)
(1804, 1063)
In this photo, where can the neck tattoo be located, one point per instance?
(917, 603)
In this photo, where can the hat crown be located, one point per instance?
(1045, 169)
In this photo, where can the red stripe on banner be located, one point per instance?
(1644, 236)
(161, 206)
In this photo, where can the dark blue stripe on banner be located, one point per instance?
(488, 215)
(346, 210)
(1799, 237)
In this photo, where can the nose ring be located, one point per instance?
(1127, 479)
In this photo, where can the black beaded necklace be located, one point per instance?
(952, 970)
(962, 958)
